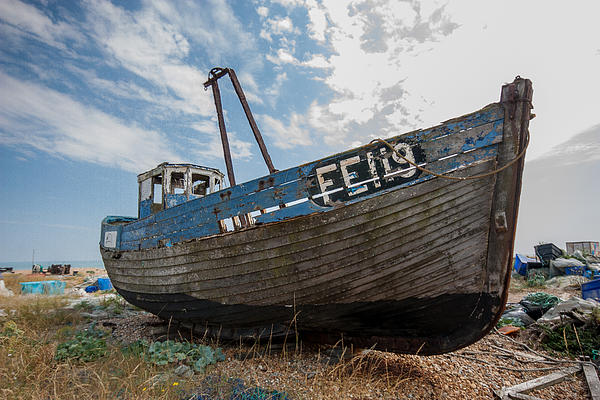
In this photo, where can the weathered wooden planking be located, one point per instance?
(344, 277)
(231, 244)
(235, 285)
(309, 241)
(308, 264)
(437, 226)
(239, 251)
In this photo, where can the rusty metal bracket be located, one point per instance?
(213, 76)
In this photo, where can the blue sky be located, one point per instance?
(94, 92)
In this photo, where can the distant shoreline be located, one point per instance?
(76, 264)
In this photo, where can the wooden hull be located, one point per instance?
(422, 268)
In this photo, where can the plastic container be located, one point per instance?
(43, 287)
(104, 284)
(591, 290)
(521, 264)
(575, 270)
(547, 252)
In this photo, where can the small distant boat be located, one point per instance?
(390, 245)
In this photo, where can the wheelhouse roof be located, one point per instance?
(156, 170)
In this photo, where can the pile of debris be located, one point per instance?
(566, 328)
(580, 260)
(552, 261)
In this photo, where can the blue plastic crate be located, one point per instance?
(575, 270)
(521, 262)
(591, 290)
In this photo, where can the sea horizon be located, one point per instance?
(75, 264)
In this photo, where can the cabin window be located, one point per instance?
(217, 185)
(157, 189)
(200, 184)
(146, 189)
(177, 183)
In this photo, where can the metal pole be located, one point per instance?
(253, 126)
(224, 140)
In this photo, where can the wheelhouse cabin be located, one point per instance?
(168, 185)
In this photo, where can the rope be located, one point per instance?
(456, 178)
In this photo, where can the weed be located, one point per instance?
(510, 321)
(536, 280)
(570, 340)
(11, 329)
(162, 353)
(84, 305)
(114, 304)
(87, 345)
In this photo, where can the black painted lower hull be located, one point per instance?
(415, 325)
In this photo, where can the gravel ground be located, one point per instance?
(323, 372)
(313, 372)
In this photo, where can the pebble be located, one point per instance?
(184, 371)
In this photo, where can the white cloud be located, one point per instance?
(280, 26)
(262, 11)
(212, 148)
(154, 43)
(370, 43)
(49, 121)
(272, 93)
(287, 136)
(289, 3)
(317, 61)
(317, 27)
(28, 20)
(283, 56)
(264, 34)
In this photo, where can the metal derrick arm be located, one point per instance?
(213, 77)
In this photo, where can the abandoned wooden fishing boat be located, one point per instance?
(404, 244)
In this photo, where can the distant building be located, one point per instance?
(591, 248)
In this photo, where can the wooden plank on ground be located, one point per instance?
(592, 380)
(521, 396)
(539, 383)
